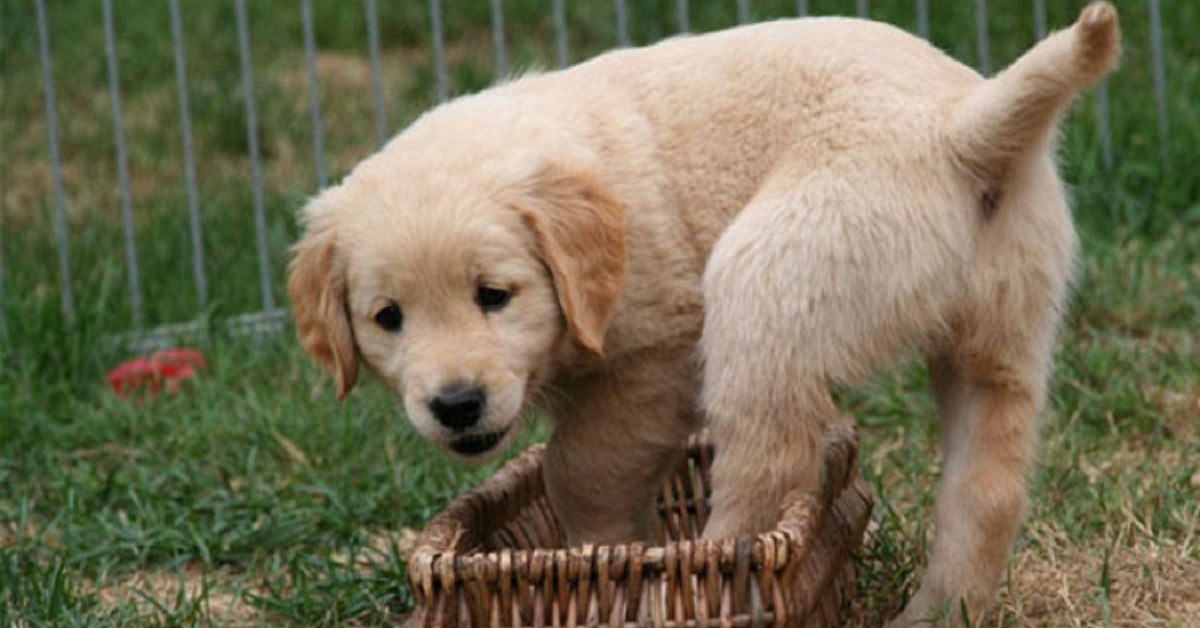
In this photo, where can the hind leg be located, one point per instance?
(990, 376)
(989, 399)
(801, 291)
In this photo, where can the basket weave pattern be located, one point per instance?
(495, 557)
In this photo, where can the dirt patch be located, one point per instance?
(222, 598)
(338, 71)
(1145, 584)
(12, 533)
(1180, 408)
(379, 548)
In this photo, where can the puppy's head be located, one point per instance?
(459, 298)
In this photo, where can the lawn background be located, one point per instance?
(255, 497)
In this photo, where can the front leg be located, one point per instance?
(614, 445)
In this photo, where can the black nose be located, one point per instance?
(458, 407)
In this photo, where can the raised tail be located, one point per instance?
(1014, 112)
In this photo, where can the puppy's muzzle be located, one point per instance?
(459, 406)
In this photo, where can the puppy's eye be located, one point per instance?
(390, 318)
(492, 299)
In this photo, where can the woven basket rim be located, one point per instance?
(434, 559)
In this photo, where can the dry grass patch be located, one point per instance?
(1057, 583)
(378, 549)
(215, 597)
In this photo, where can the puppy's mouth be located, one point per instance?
(476, 444)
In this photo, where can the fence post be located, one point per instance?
(743, 9)
(498, 42)
(622, 23)
(923, 18)
(189, 164)
(3, 310)
(1039, 19)
(560, 33)
(60, 202)
(1160, 76)
(1104, 125)
(314, 91)
(372, 15)
(114, 90)
(983, 38)
(681, 11)
(439, 51)
(260, 219)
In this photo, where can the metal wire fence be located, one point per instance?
(269, 316)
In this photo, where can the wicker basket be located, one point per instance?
(494, 557)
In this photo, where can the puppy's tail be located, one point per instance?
(1014, 112)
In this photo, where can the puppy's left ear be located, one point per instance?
(318, 291)
(580, 229)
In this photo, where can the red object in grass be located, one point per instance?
(167, 369)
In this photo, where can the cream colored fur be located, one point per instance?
(724, 226)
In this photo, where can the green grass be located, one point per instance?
(256, 490)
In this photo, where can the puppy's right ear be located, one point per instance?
(580, 230)
(318, 291)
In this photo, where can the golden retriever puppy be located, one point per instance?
(723, 227)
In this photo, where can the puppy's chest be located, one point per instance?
(660, 309)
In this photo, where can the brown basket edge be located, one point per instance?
(434, 559)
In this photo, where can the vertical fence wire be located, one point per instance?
(561, 43)
(114, 91)
(802, 8)
(60, 201)
(1160, 75)
(622, 23)
(3, 310)
(314, 91)
(982, 39)
(439, 49)
(189, 163)
(682, 12)
(743, 10)
(372, 16)
(923, 18)
(864, 8)
(260, 218)
(1039, 19)
(3, 270)
(499, 45)
(1104, 125)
